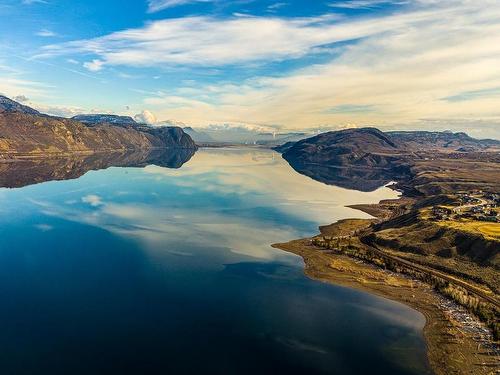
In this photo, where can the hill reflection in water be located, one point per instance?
(355, 178)
(15, 174)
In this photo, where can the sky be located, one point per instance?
(262, 64)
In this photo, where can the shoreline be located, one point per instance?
(41, 155)
(450, 348)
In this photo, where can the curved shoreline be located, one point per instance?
(450, 349)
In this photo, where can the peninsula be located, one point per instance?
(436, 249)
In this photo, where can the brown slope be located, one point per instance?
(367, 147)
(23, 133)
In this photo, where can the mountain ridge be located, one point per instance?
(24, 131)
(373, 148)
(95, 119)
(9, 105)
(351, 147)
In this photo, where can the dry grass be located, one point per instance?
(488, 230)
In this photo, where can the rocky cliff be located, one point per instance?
(25, 131)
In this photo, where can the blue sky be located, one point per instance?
(295, 64)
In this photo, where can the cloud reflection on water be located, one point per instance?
(240, 200)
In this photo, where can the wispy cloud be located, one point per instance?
(29, 2)
(366, 4)
(46, 33)
(157, 5)
(13, 86)
(207, 41)
(395, 76)
(352, 108)
(276, 6)
(474, 94)
(394, 67)
(94, 65)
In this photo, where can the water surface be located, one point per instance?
(168, 271)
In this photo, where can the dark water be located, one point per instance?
(162, 271)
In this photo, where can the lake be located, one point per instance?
(154, 270)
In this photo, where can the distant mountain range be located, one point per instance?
(444, 141)
(24, 130)
(241, 135)
(371, 147)
(198, 136)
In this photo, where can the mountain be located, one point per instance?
(284, 147)
(23, 131)
(422, 162)
(443, 141)
(402, 141)
(198, 136)
(9, 105)
(241, 134)
(360, 159)
(96, 119)
(367, 147)
(372, 147)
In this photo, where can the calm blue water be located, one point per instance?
(161, 271)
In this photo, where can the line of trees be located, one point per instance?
(485, 311)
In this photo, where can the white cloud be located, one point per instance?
(46, 33)
(402, 65)
(29, 2)
(157, 5)
(403, 74)
(146, 117)
(21, 98)
(59, 111)
(12, 86)
(207, 41)
(366, 4)
(276, 6)
(94, 65)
